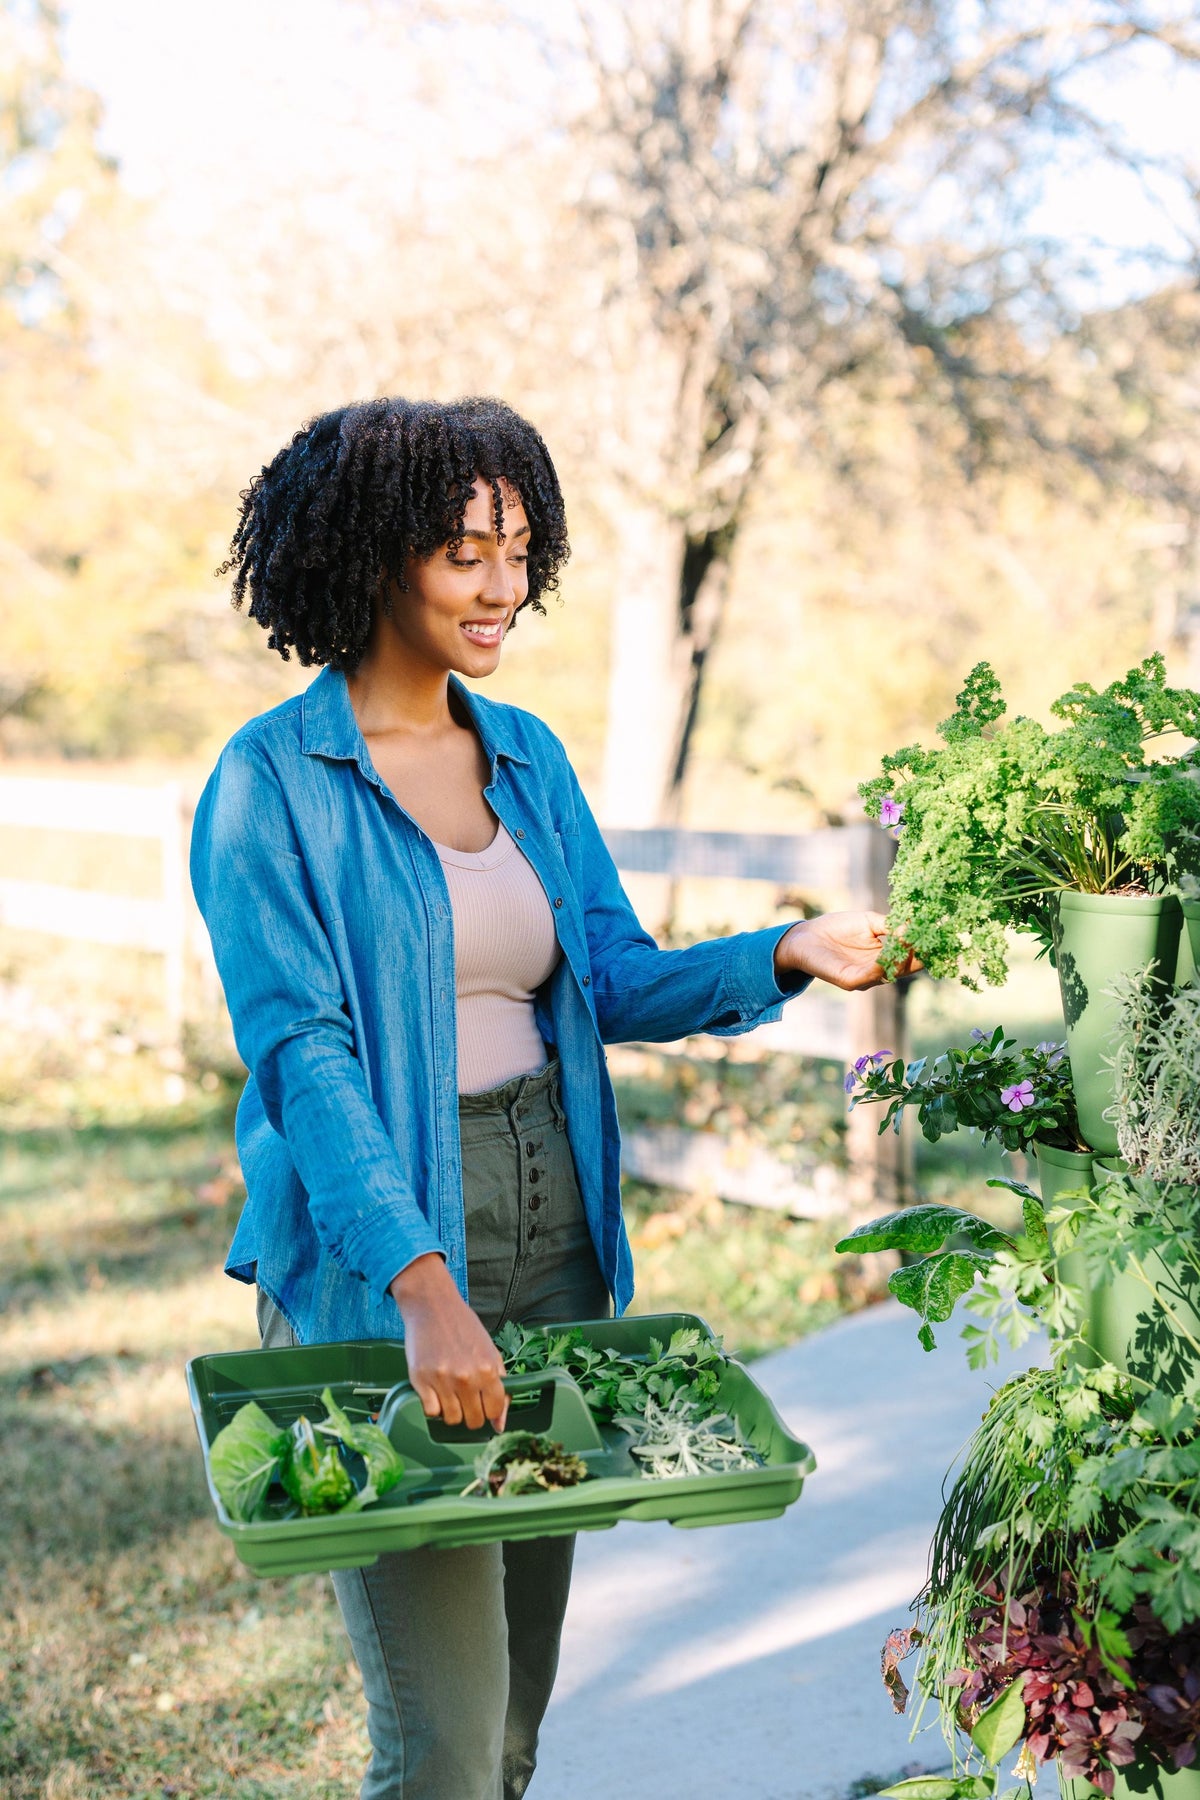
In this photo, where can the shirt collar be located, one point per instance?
(329, 728)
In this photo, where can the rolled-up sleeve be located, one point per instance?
(291, 1024)
(725, 986)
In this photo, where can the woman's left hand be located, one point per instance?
(841, 948)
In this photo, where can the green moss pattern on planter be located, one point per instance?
(1098, 935)
(1127, 1327)
(1146, 1780)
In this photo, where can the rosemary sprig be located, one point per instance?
(681, 1438)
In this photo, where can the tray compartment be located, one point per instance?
(428, 1506)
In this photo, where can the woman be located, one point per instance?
(424, 946)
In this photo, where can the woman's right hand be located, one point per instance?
(452, 1362)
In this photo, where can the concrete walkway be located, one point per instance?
(743, 1661)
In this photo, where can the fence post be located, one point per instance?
(172, 845)
(881, 1168)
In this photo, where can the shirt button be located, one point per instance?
(587, 981)
(518, 833)
(534, 1204)
(558, 899)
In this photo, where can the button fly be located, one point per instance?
(535, 1202)
(535, 1174)
(532, 1231)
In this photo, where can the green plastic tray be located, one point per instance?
(427, 1507)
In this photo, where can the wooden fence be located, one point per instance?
(850, 863)
(112, 809)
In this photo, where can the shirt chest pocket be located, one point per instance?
(566, 842)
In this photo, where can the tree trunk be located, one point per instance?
(671, 594)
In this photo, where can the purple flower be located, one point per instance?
(1017, 1097)
(981, 1037)
(890, 811)
(1054, 1053)
(864, 1065)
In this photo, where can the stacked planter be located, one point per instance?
(1098, 936)
(1146, 1779)
(1189, 944)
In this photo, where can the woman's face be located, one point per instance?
(459, 603)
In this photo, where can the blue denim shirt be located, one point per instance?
(330, 923)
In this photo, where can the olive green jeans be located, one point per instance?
(458, 1648)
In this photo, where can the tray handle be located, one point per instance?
(541, 1400)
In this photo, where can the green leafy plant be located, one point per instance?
(522, 1462)
(1005, 815)
(1013, 1097)
(245, 1458)
(1156, 1079)
(307, 1459)
(1152, 1212)
(945, 1787)
(1135, 1499)
(934, 1285)
(614, 1384)
(1063, 1595)
(313, 1473)
(682, 1438)
(1062, 1607)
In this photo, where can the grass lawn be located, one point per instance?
(137, 1658)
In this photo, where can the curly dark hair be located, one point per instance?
(359, 490)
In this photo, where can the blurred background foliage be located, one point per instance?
(864, 333)
(1004, 470)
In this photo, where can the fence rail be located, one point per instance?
(850, 861)
(108, 809)
(834, 857)
(114, 808)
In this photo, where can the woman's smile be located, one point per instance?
(484, 631)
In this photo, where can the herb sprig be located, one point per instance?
(682, 1438)
(1011, 1096)
(1002, 816)
(614, 1383)
(521, 1462)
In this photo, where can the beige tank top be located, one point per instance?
(504, 948)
